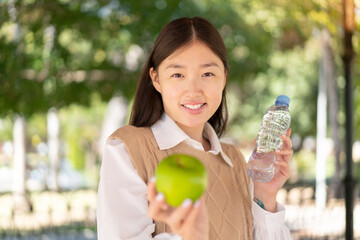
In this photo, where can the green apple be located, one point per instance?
(179, 177)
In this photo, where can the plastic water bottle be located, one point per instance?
(275, 123)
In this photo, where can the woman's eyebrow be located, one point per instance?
(211, 64)
(205, 65)
(174, 65)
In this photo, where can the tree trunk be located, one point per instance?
(335, 189)
(53, 128)
(21, 201)
(321, 125)
(349, 54)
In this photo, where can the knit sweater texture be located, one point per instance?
(227, 198)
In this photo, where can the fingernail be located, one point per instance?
(152, 179)
(186, 203)
(197, 203)
(159, 197)
(164, 207)
(277, 150)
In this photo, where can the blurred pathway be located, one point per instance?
(71, 215)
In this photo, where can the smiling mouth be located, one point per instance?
(194, 107)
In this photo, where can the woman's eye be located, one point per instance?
(208, 74)
(177, 75)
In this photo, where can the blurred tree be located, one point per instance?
(65, 50)
(54, 53)
(54, 156)
(80, 129)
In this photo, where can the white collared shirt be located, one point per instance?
(122, 204)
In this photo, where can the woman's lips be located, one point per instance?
(194, 108)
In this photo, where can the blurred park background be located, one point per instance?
(68, 73)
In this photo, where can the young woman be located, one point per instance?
(180, 107)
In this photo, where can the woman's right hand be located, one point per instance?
(189, 220)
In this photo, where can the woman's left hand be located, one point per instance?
(266, 191)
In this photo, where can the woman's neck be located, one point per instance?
(197, 135)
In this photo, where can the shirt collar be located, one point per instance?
(168, 134)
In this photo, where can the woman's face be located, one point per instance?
(191, 82)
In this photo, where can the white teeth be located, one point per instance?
(194, 107)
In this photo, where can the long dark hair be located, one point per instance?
(148, 106)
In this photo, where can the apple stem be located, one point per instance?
(179, 162)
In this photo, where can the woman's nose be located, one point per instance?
(194, 85)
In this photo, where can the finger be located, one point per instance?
(194, 213)
(152, 193)
(282, 164)
(155, 209)
(177, 218)
(284, 168)
(284, 158)
(287, 141)
(285, 152)
(288, 132)
(151, 190)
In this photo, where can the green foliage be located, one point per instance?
(58, 53)
(305, 162)
(51, 61)
(76, 151)
(37, 126)
(6, 129)
(80, 129)
(293, 73)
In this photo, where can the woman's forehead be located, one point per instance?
(196, 52)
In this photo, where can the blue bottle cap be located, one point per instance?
(282, 100)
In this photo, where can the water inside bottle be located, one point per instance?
(275, 123)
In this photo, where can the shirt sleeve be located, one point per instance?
(268, 225)
(122, 204)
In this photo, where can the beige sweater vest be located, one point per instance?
(227, 198)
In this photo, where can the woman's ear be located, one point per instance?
(155, 79)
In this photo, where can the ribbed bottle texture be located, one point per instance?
(275, 123)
